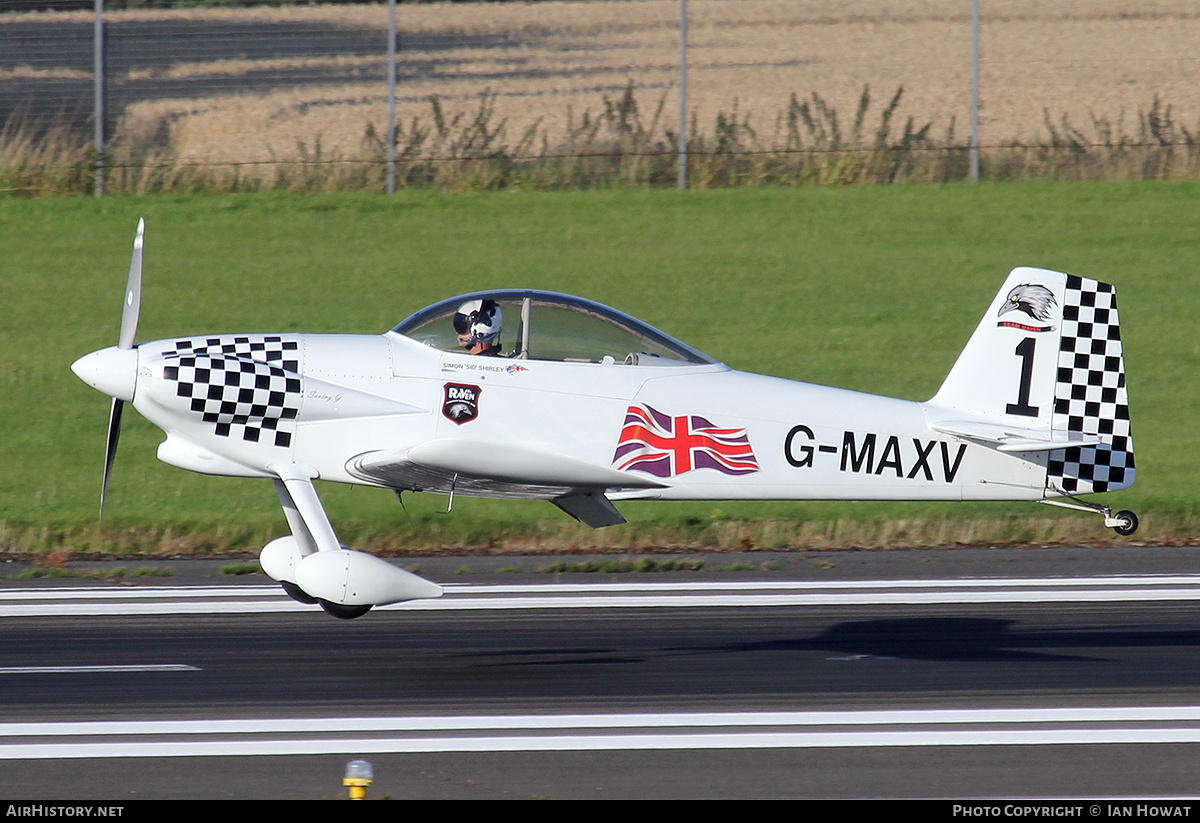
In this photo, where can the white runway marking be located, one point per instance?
(593, 732)
(139, 593)
(149, 667)
(249, 599)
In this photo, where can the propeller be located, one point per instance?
(133, 292)
(129, 324)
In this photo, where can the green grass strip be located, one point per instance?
(867, 288)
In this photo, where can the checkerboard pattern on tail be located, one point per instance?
(1090, 395)
(248, 386)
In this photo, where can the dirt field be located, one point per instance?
(546, 61)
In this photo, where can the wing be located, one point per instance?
(483, 469)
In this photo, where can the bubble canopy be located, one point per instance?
(542, 325)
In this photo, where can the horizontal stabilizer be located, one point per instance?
(1011, 439)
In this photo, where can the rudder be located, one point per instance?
(1090, 396)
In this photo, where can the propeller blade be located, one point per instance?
(133, 292)
(114, 434)
(129, 325)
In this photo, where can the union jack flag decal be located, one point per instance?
(665, 446)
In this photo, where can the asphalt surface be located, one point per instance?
(870, 654)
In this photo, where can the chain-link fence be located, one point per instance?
(586, 93)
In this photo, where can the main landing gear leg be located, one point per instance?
(1123, 522)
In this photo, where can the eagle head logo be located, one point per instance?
(1036, 301)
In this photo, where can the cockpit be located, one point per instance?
(540, 325)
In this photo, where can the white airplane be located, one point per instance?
(583, 405)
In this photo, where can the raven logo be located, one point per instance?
(462, 403)
(1036, 301)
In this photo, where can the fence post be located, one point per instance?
(391, 129)
(98, 85)
(683, 181)
(974, 91)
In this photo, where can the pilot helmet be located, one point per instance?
(479, 318)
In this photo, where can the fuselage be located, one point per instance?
(253, 405)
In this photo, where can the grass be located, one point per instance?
(868, 288)
(118, 573)
(238, 569)
(643, 565)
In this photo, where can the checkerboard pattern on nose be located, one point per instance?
(248, 387)
(1090, 395)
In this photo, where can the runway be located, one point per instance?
(664, 685)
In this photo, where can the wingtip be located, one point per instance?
(141, 231)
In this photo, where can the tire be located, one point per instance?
(298, 594)
(1129, 526)
(344, 612)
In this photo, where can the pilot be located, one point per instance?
(478, 324)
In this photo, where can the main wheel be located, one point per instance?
(298, 594)
(1129, 524)
(344, 612)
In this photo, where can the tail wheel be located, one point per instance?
(344, 612)
(1128, 525)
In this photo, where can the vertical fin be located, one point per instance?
(1006, 373)
(1045, 362)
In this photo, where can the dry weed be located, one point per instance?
(550, 70)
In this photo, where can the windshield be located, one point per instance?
(541, 325)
